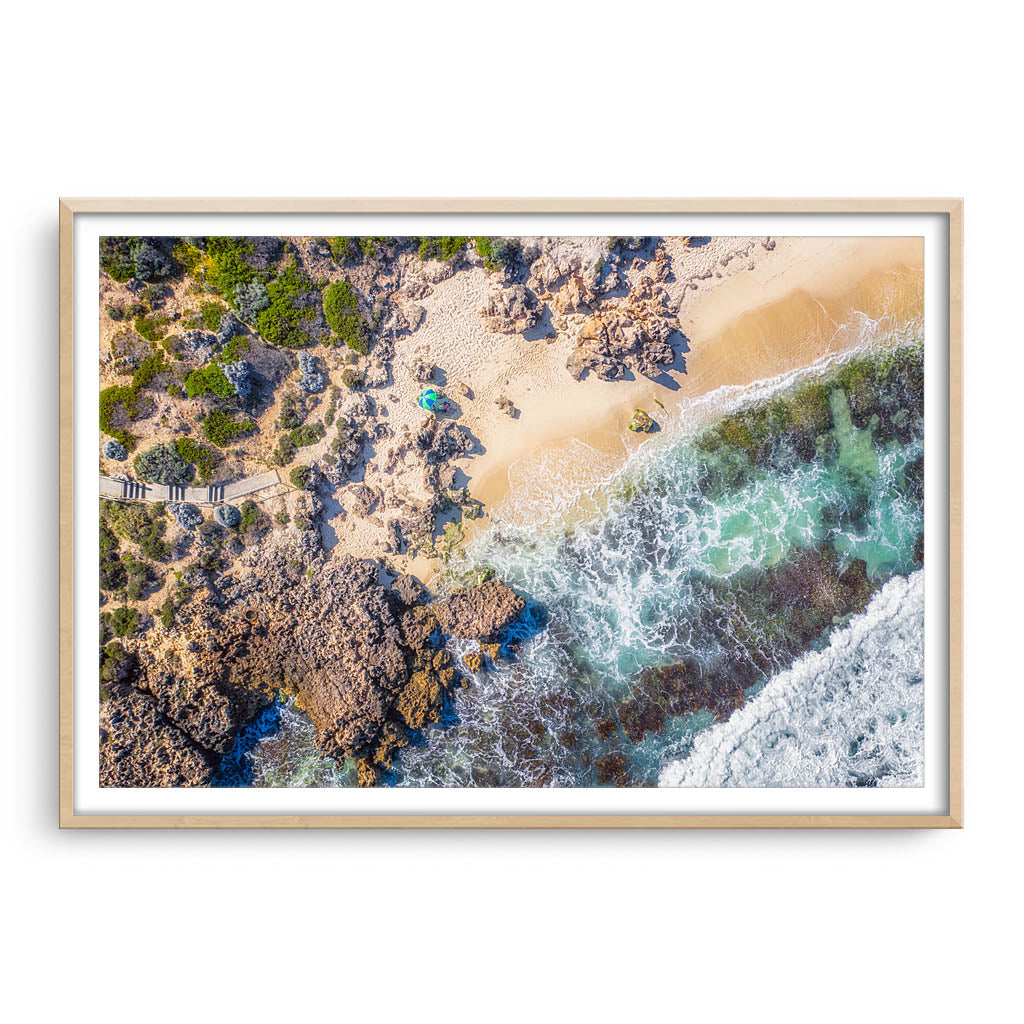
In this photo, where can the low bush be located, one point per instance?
(252, 518)
(210, 313)
(341, 308)
(124, 621)
(307, 434)
(351, 377)
(205, 459)
(442, 247)
(222, 429)
(292, 303)
(163, 465)
(227, 515)
(208, 380)
(185, 514)
(299, 476)
(251, 299)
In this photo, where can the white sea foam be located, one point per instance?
(850, 714)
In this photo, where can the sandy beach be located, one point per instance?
(746, 316)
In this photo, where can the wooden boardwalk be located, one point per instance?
(214, 494)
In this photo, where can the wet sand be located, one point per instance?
(815, 297)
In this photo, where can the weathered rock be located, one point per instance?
(640, 422)
(479, 613)
(364, 499)
(142, 747)
(511, 310)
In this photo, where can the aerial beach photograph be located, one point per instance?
(451, 511)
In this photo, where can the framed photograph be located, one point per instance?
(606, 513)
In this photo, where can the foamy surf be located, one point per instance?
(851, 714)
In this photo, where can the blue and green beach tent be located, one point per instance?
(429, 399)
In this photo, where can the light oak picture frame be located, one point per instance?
(949, 208)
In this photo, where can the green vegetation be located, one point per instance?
(332, 405)
(205, 459)
(495, 252)
(163, 465)
(208, 380)
(351, 377)
(235, 349)
(253, 519)
(150, 328)
(143, 525)
(299, 476)
(293, 411)
(210, 313)
(442, 247)
(222, 429)
(341, 307)
(124, 401)
(167, 614)
(307, 434)
(229, 267)
(289, 296)
(124, 621)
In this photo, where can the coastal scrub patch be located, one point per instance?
(163, 465)
(299, 476)
(208, 380)
(205, 459)
(222, 429)
(442, 247)
(341, 308)
(292, 297)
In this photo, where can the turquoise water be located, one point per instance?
(668, 572)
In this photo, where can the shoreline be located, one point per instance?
(792, 308)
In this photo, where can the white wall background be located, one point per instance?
(527, 99)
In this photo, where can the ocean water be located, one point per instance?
(672, 559)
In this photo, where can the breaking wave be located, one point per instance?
(851, 714)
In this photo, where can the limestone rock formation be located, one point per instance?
(511, 310)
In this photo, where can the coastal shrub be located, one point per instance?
(119, 404)
(208, 380)
(252, 518)
(341, 308)
(307, 434)
(222, 429)
(311, 379)
(114, 663)
(138, 574)
(112, 571)
(251, 299)
(282, 518)
(210, 313)
(239, 376)
(496, 253)
(291, 297)
(205, 459)
(293, 411)
(299, 476)
(124, 621)
(124, 258)
(167, 614)
(351, 377)
(163, 465)
(229, 263)
(116, 258)
(442, 247)
(186, 515)
(344, 250)
(143, 525)
(195, 261)
(115, 450)
(285, 451)
(155, 295)
(227, 515)
(234, 350)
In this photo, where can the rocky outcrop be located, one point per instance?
(511, 310)
(479, 613)
(633, 335)
(366, 662)
(142, 747)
